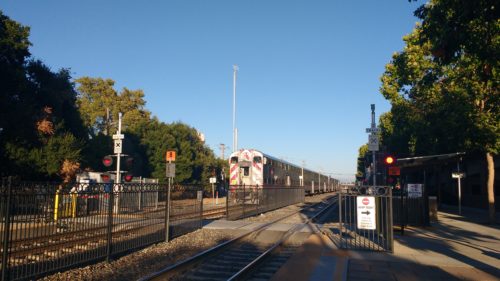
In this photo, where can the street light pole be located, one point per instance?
(235, 137)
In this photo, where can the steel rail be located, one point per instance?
(172, 270)
(275, 246)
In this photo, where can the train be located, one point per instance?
(251, 167)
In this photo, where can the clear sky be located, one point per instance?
(309, 70)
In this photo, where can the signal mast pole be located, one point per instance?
(118, 155)
(374, 125)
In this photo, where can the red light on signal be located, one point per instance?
(128, 177)
(107, 161)
(389, 160)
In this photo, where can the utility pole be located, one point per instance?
(235, 132)
(222, 148)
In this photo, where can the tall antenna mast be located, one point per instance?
(235, 132)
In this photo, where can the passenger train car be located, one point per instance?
(251, 167)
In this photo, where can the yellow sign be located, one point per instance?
(170, 155)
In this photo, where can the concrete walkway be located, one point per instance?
(454, 248)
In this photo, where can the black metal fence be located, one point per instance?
(244, 201)
(47, 228)
(365, 219)
(410, 210)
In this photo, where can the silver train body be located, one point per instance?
(251, 167)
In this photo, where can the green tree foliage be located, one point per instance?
(41, 128)
(465, 37)
(49, 130)
(147, 139)
(99, 104)
(362, 151)
(443, 86)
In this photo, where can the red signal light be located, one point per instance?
(107, 161)
(389, 160)
(128, 177)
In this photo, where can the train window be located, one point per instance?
(246, 171)
(257, 159)
(234, 160)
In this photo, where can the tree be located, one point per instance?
(465, 35)
(362, 151)
(443, 86)
(99, 104)
(41, 128)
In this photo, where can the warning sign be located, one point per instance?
(414, 190)
(366, 212)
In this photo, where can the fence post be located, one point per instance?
(167, 213)
(390, 222)
(140, 197)
(201, 209)
(340, 217)
(227, 203)
(5, 254)
(109, 239)
(244, 195)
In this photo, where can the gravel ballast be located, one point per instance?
(148, 260)
(161, 255)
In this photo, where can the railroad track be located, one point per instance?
(56, 245)
(240, 258)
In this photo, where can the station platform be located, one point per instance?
(456, 247)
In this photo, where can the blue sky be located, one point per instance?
(309, 70)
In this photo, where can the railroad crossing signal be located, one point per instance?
(170, 155)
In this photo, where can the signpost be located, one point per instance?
(366, 212)
(170, 173)
(459, 177)
(213, 180)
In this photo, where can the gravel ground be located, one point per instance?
(151, 259)
(158, 256)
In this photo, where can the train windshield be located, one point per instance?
(234, 160)
(257, 159)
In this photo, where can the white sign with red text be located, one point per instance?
(366, 212)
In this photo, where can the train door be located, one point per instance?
(245, 174)
(288, 181)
